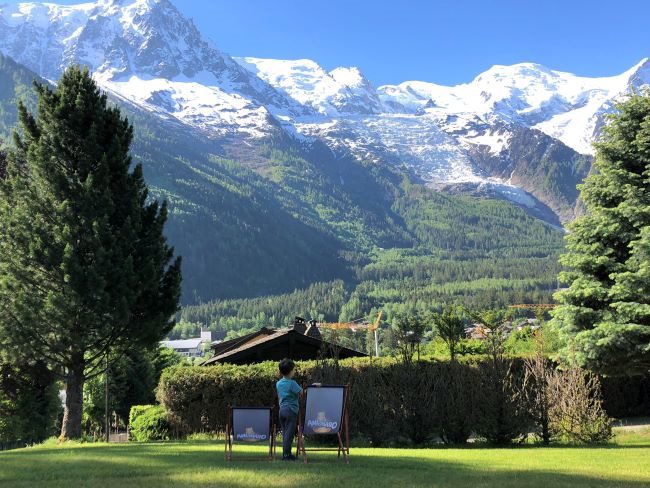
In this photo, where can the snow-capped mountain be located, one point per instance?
(465, 134)
(562, 105)
(342, 91)
(147, 52)
(504, 131)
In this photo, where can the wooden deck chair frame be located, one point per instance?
(230, 441)
(343, 435)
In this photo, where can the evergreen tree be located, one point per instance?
(605, 311)
(409, 332)
(450, 326)
(85, 269)
(3, 164)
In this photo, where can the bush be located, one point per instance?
(576, 414)
(458, 403)
(626, 396)
(29, 403)
(137, 411)
(390, 403)
(503, 415)
(149, 423)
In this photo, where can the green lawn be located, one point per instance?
(183, 464)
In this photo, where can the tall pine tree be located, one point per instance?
(85, 270)
(605, 311)
(3, 164)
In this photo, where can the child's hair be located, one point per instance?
(286, 366)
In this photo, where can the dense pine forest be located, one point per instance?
(494, 254)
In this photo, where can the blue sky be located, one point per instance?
(442, 41)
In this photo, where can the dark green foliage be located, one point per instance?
(605, 311)
(390, 403)
(132, 380)
(626, 396)
(322, 301)
(450, 327)
(480, 253)
(84, 267)
(409, 333)
(3, 164)
(29, 403)
(459, 397)
(503, 415)
(149, 423)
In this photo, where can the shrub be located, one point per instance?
(390, 402)
(29, 403)
(137, 410)
(149, 423)
(458, 403)
(576, 414)
(502, 413)
(626, 396)
(538, 372)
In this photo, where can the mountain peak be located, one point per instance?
(527, 69)
(639, 74)
(340, 91)
(112, 37)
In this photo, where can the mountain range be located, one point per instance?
(280, 173)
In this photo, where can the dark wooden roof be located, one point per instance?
(273, 345)
(222, 347)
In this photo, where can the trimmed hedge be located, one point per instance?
(626, 396)
(149, 423)
(390, 402)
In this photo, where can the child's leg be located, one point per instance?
(283, 426)
(292, 422)
(288, 425)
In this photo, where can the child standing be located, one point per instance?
(288, 394)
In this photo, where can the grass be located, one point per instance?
(625, 462)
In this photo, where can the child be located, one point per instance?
(288, 394)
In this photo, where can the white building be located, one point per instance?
(192, 348)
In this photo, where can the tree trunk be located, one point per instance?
(72, 414)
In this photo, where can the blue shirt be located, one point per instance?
(288, 392)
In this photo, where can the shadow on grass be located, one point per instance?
(202, 464)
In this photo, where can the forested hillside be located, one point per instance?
(478, 252)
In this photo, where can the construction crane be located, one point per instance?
(534, 306)
(358, 324)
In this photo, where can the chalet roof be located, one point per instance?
(247, 346)
(224, 346)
